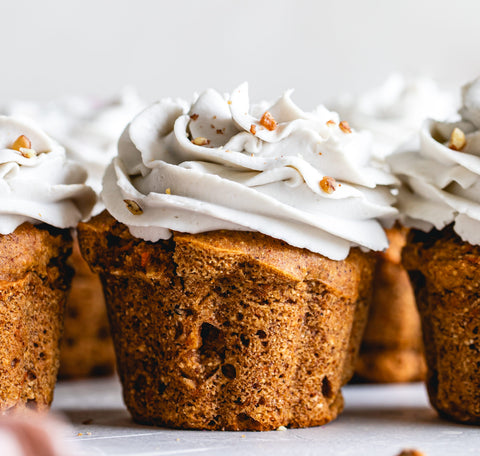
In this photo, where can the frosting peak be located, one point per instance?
(220, 163)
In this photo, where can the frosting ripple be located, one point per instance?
(220, 163)
(441, 179)
(37, 182)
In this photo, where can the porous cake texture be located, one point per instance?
(445, 273)
(227, 329)
(34, 279)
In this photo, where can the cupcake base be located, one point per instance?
(33, 284)
(87, 347)
(228, 330)
(446, 277)
(392, 347)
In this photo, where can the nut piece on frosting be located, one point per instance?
(268, 121)
(22, 142)
(327, 184)
(457, 139)
(200, 141)
(133, 207)
(344, 126)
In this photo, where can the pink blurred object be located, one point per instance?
(30, 434)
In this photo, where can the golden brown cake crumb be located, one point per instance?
(392, 347)
(445, 273)
(33, 284)
(229, 330)
(87, 348)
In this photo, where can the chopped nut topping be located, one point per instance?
(22, 142)
(220, 131)
(331, 123)
(168, 191)
(229, 101)
(327, 184)
(27, 153)
(253, 129)
(345, 127)
(200, 141)
(133, 207)
(268, 121)
(212, 126)
(194, 116)
(411, 452)
(457, 139)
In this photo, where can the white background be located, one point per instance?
(57, 47)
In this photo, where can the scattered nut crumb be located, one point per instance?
(253, 129)
(194, 116)
(168, 191)
(411, 452)
(457, 139)
(200, 141)
(345, 127)
(229, 102)
(327, 184)
(21, 142)
(27, 153)
(178, 440)
(80, 434)
(281, 428)
(145, 259)
(88, 421)
(268, 121)
(331, 123)
(89, 433)
(243, 436)
(133, 207)
(220, 131)
(212, 126)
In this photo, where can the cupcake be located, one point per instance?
(42, 194)
(89, 130)
(439, 200)
(392, 349)
(234, 261)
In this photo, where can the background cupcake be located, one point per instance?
(236, 291)
(440, 199)
(89, 130)
(392, 349)
(41, 194)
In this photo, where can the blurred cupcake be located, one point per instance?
(89, 130)
(440, 199)
(392, 349)
(234, 263)
(41, 195)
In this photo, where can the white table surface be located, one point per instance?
(377, 420)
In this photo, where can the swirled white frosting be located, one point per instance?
(441, 185)
(266, 182)
(89, 129)
(394, 112)
(42, 186)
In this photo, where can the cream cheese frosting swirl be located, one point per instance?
(89, 129)
(37, 183)
(217, 165)
(394, 111)
(441, 179)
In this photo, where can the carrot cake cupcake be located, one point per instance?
(234, 260)
(392, 348)
(41, 194)
(89, 130)
(440, 200)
